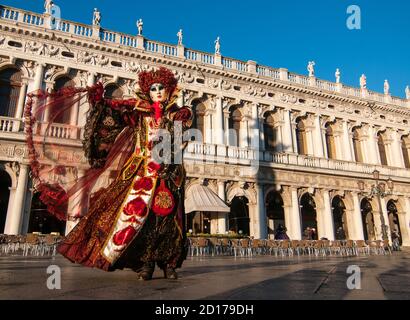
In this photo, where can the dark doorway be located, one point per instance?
(5, 184)
(368, 220)
(309, 217)
(239, 216)
(41, 220)
(339, 219)
(275, 211)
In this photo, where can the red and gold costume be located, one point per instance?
(138, 218)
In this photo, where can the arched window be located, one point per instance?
(301, 137)
(112, 91)
(382, 149)
(63, 82)
(330, 142)
(405, 143)
(235, 126)
(357, 146)
(10, 85)
(270, 132)
(199, 120)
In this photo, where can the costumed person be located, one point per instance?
(280, 233)
(138, 220)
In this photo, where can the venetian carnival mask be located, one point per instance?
(158, 93)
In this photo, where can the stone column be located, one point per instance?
(254, 132)
(38, 79)
(243, 134)
(296, 233)
(338, 135)
(317, 139)
(17, 125)
(404, 220)
(373, 147)
(294, 140)
(357, 218)
(327, 217)
(287, 133)
(15, 217)
(226, 121)
(218, 132)
(396, 150)
(208, 127)
(347, 143)
(386, 218)
(222, 216)
(261, 134)
(261, 231)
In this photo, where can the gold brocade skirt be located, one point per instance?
(160, 240)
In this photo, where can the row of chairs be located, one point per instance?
(30, 244)
(250, 247)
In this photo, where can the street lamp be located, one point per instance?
(378, 190)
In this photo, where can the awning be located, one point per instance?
(201, 198)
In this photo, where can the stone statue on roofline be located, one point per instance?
(180, 37)
(97, 17)
(337, 75)
(363, 82)
(48, 5)
(217, 46)
(386, 87)
(140, 26)
(311, 68)
(408, 93)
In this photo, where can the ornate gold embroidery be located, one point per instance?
(163, 200)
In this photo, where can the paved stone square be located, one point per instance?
(225, 278)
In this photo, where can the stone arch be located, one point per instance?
(11, 169)
(249, 193)
(113, 91)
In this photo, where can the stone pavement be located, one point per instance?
(222, 278)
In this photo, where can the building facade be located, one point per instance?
(277, 147)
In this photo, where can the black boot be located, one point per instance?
(146, 272)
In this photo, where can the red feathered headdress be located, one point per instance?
(163, 76)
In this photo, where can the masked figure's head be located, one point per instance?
(158, 85)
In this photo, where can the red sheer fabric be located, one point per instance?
(54, 194)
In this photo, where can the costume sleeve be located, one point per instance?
(183, 115)
(106, 119)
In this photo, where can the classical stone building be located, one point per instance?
(278, 147)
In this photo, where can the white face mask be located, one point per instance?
(158, 93)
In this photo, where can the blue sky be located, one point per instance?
(276, 33)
